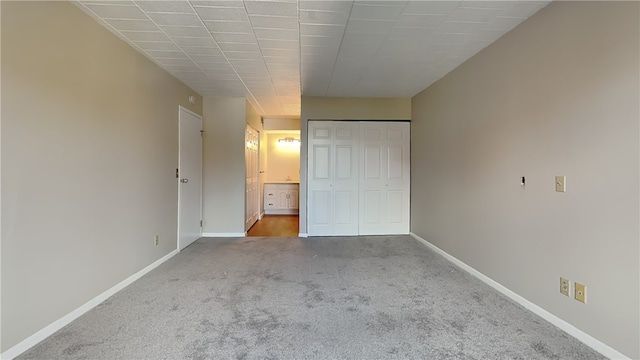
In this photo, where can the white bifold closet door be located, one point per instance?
(333, 178)
(359, 178)
(384, 178)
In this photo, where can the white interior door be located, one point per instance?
(190, 178)
(384, 178)
(252, 183)
(333, 179)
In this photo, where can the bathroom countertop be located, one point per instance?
(282, 182)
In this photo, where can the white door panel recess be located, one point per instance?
(190, 178)
(359, 178)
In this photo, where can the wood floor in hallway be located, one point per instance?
(275, 226)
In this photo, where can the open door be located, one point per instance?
(189, 178)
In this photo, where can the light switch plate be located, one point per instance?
(561, 183)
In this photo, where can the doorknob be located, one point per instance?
(184, 181)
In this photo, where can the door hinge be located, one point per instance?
(200, 223)
(177, 173)
(201, 133)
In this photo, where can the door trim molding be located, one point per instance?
(180, 110)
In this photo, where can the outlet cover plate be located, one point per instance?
(565, 286)
(581, 293)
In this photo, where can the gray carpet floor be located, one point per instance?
(317, 298)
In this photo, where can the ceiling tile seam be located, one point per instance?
(126, 39)
(174, 42)
(223, 54)
(369, 65)
(335, 61)
(262, 56)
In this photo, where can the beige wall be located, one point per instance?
(89, 152)
(281, 123)
(283, 160)
(225, 120)
(326, 108)
(556, 96)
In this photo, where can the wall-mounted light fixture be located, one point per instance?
(289, 141)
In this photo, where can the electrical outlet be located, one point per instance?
(581, 293)
(565, 286)
(156, 240)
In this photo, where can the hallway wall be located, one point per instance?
(558, 95)
(89, 152)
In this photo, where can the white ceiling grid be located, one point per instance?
(274, 51)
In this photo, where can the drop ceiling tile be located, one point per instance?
(242, 55)
(117, 12)
(276, 34)
(234, 38)
(187, 31)
(221, 13)
(109, 2)
(217, 3)
(450, 39)
(271, 8)
(500, 4)
(323, 17)
(146, 36)
(180, 68)
(293, 60)
(151, 45)
(239, 47)
(278, 44)
(202, 50)
(320, 41)
(273, 22)
(318, 51)
(175, 19)
(422, 21)
(430, 7)
(322, 30)
(214, 75)
(163, 54)
(458, 27)
(474, 14)
(279, 52)
(326, 5)
(132, 25)
(191, 41)
(360, 39)
(220, 26)
(409, 33)
(166, 6)
(379, 26)
(375, 12)
(177, 62)
(219, 66)
(208, 59)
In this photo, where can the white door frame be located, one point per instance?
(182, 109)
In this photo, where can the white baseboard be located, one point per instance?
(48, 330)
(224, 234)
(303, 235)
(587, 339)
